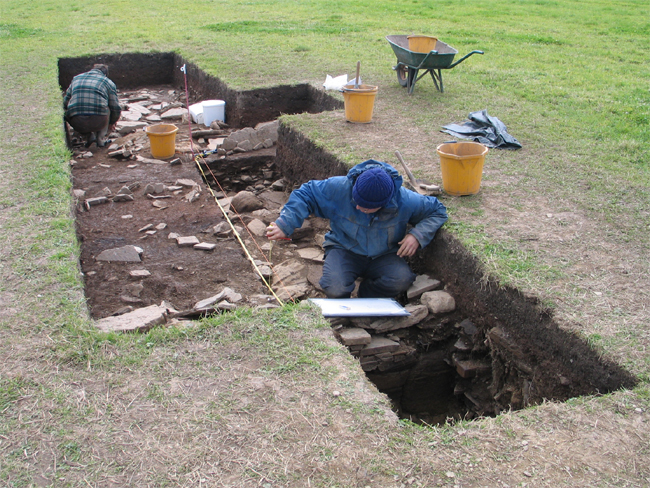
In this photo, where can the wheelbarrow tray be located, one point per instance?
(410, 63)
(440, 60)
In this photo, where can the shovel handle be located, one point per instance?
(356, 80)
(408, 171)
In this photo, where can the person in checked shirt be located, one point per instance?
(91, 105)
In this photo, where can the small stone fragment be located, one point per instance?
(205, 246)
(139, 273)
(186, 183)
(279, 185)
(91, 202)
(187, 241)
(222, 229)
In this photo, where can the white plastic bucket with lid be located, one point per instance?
(213, 110)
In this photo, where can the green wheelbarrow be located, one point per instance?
(410, 63)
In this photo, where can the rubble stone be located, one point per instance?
(187, 241)
(141, 320)
(257, 227)
(246, 201)
(139, 273)
(186, 182)
(226, 293)
(354, 337)
(205, 246)
(245, 145)
(386, 324)
(379, 344)
(123, 198)
(90, 202)
(173, 113)
(311, 254)
(439, 301)
(126, 254)
(422, 284)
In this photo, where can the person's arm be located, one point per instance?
(66, 98)
(302, 203)
(113, 105)
(428, 216)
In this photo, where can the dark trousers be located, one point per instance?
(384, 277)
(94, 127)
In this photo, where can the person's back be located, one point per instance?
(92, 105)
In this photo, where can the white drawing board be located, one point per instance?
(360, 307)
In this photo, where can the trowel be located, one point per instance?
(423, 187)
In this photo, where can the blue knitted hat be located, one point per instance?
(373, 188)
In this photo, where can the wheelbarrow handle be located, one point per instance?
(464, 58)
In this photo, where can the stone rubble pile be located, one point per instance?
(417, 358)
(145, 107)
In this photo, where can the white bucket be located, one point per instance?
(196, 111)
(213, 110)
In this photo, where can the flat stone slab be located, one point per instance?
(140, 320)
(257, 227)
(421, 285)
(126, 127)
(205, 246)
(378, 345)
(385, 324)
(354, 337)
(187, 241)
(226, 293)
(311, 254)
(173, 113)
(126, 254)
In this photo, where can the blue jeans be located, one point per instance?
(384, 277)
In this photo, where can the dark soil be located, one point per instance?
(180, 276)
(530, 358)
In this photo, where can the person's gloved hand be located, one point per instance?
(408, 246)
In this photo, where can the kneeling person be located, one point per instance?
(370, 213)
(91, 105)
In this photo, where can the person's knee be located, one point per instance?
(336, 288)
(403, 278)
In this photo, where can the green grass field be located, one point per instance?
(571, 80)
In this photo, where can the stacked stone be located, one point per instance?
(373, 339)
(251, 175)
(263, 136)
(449, 347)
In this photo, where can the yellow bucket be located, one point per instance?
(461, 164)
(162, 138)
(359, 103)
(422, 44)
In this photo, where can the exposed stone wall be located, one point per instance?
(300, 160)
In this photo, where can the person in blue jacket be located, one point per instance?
(374, 224)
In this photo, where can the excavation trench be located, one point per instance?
(496, 350)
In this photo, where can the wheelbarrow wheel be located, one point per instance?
(403, 75)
